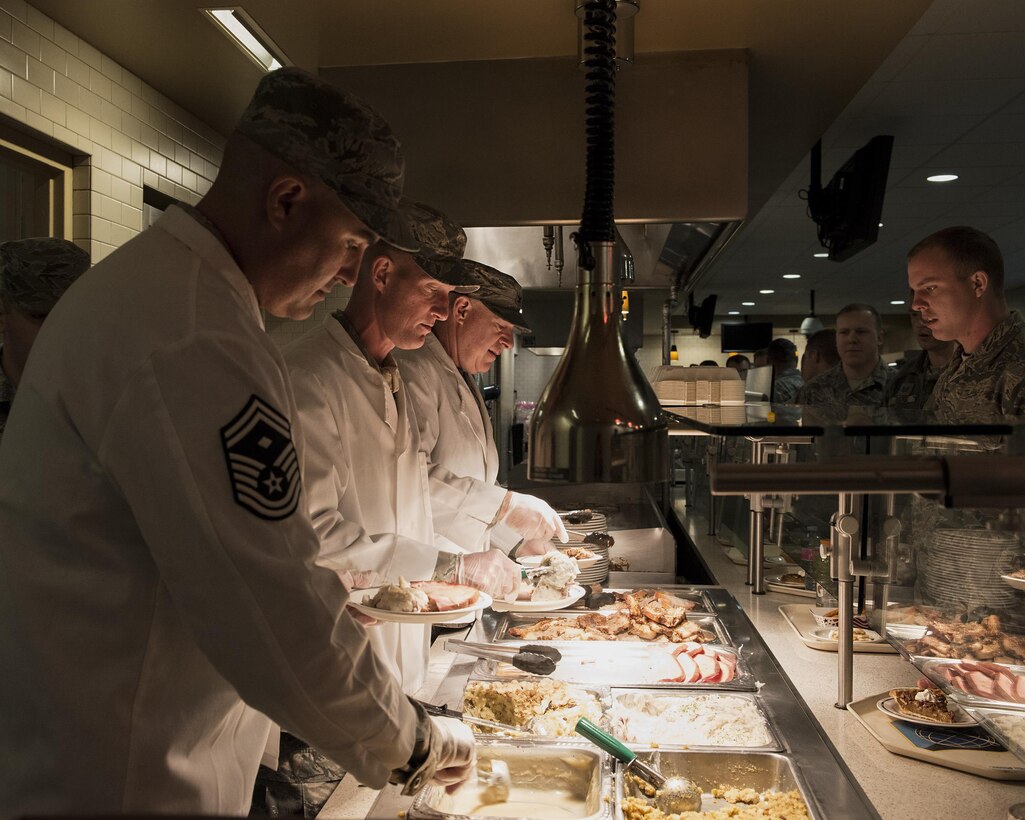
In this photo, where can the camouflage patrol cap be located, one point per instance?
(324, 131)
(34, 273)
(499, 292)
(442, 243)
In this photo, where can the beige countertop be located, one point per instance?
(899, 788)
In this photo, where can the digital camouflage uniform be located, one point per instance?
(787, 385)
(831, 395)
(912, 383)
(987, 383)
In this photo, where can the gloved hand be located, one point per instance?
(452, 747)
(531, 517)
(490, 571)
(534, 546)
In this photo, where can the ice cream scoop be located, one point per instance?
(496, 783)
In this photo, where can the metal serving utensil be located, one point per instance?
(532, 658)
(673, 795)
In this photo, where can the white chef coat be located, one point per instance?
(366, 478)
(455, 430)
(146, 589)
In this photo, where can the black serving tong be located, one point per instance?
(535, 659)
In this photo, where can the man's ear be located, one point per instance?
(283, 194)
(382, 270)
(980, 282)
(460, 308)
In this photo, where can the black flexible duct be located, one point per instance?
(597, 224)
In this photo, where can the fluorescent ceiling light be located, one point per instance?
(733, 312)
(748, 304)
(791, 276)
(897, 302)
(247, 35)
(821, 255)
(767, 290)
(941, 178)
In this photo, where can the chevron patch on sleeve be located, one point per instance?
(262, 463)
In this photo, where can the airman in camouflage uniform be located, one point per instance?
(860, 379)
(957, 278)
(34, 273)
(913, 382)
(788, 382)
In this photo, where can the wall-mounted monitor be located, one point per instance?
(745, 337)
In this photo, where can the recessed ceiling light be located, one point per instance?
(748, 304)
(247, 35)
(791, 276)
(733, 312)
(892, 364)
(896, 301)
(821, 255)
(880, 224)
(767, 290)
(941, 178)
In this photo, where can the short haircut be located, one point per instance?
(737, 358)
(859, 307)
(970, 250)
(823, 345)
(782, 352)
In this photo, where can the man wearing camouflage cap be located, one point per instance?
(34, 273)
(455, 429)
(159, 596)
(364, 471)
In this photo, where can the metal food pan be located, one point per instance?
(931, 668)
(773, 744)
(601, 693)
(555, 769)
(760, 771)
(607, 663)
(519, 619)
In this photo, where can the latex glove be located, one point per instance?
(454, 750)
(531, 517)
(490, 571)
(534, 546)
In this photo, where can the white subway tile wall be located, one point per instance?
(122, 132)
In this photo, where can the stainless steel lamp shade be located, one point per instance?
(598, 419)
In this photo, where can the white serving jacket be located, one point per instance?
(139, 602)
(456, 433)
(366, 479)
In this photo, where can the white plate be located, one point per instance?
(888, 707)
(906, 632)
(778, 579)
(534, 561)
(823, 635)
(358, 596)
(1017, 583)
(576, 592)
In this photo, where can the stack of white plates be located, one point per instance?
(963, 568)
(599, 572)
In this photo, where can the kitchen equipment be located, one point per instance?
(532, 658)
(673, 795)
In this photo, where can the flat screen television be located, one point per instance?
(848, 209)
(745, 337)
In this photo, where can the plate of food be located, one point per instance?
(584, 558)
(419, 602)
(1015, 579)
(571, 596)
(792, 578)
(923, 707)
(831, 633)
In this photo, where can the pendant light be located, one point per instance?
(598, 419)
(811, 324)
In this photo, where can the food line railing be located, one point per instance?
(958, 481)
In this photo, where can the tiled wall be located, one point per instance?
(123, 133)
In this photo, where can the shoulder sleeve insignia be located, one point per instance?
(262, 463)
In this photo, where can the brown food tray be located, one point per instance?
(803, 622)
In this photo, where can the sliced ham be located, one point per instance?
(725, 671)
